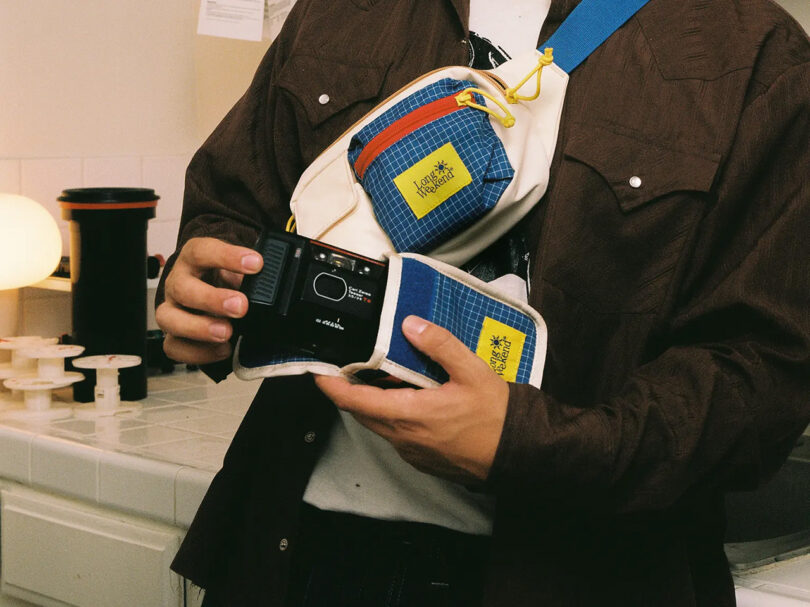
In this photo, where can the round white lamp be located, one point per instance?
(30, 243)
(30, 249)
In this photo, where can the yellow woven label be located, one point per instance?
(433, 180)
(501, 346)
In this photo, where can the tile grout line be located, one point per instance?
(31, 461)
(98, 479)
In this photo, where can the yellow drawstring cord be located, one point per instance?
(511, 93)
(290, 224)
(465, 98)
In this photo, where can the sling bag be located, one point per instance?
(452, 161)
(432, 176)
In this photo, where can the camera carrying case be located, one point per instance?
(452, 161)
(501, 329)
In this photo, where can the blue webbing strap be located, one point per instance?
(589, 25)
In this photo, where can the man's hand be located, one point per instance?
(195, 313)
(451, 431)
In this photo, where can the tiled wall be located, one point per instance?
(43, 179)
(46, 312)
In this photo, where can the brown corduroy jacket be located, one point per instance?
(678, 311)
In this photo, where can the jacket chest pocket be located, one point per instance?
(331, 97)
(621, 214)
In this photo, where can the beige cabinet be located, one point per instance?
(57, 552)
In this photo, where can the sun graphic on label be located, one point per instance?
(501, 347)
(440, 166)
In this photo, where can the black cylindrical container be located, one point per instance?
(108, 278)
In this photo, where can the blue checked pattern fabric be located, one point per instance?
(471, 134)
(458, 308)
(253, 354)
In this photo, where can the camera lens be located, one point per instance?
(329, 286)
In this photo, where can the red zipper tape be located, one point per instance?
(403, 127)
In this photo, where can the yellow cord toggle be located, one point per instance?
(290, 224)
(511, 93)
(465, 98)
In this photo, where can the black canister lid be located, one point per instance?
(108, 199)
(108, 195)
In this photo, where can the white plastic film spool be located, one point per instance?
(38, 403)
(20, 363)
(107, 390)
(51, 360)
(20, 366)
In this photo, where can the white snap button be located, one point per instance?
(323, 99)
(635, 181)
(283, 544)
(309, 437)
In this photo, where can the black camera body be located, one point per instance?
(313, 300)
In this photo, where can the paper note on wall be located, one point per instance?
(241, 19)
(275, 12)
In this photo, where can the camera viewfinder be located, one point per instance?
(341, 261)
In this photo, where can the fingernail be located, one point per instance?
(251, 262)
(233, 305)
(414, 325)
(218, 330)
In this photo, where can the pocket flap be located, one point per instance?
(640, 171)
(325, 87)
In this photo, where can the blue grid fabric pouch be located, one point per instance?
(506, 333)
(255, 354)
(430, 165)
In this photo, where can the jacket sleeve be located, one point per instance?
(729, 394)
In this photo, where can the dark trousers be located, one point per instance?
(343, 560)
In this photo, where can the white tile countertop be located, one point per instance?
(160, 462)
(781, 584)
(157, 463)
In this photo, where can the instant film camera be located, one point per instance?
(314, 300)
